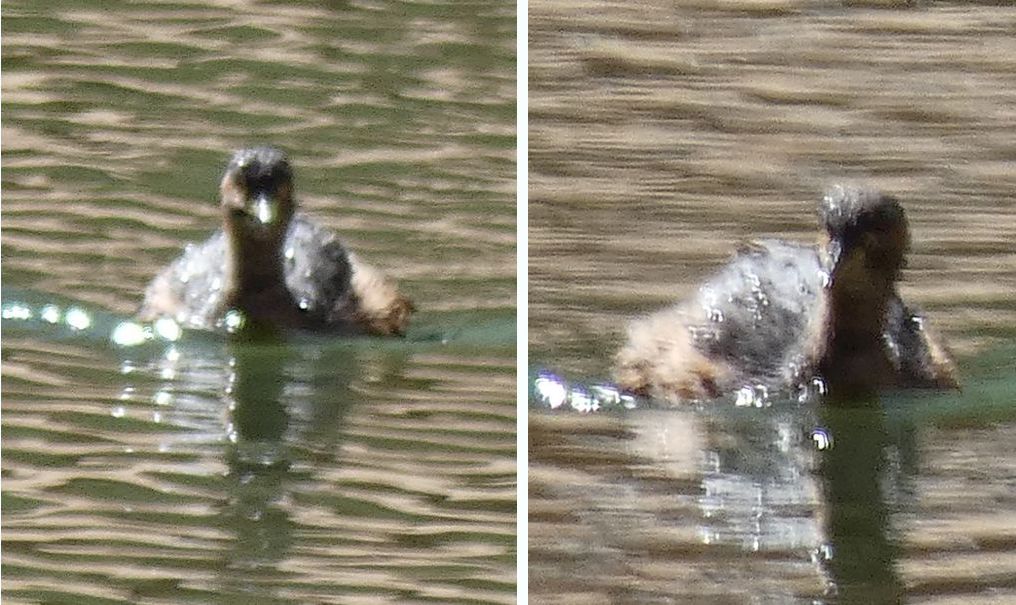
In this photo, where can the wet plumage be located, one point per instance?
(270, 268)
(781, 315)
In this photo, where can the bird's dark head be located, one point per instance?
(257, 194)
(866, 229)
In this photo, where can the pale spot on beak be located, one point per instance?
(264, 210)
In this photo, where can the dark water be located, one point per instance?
(316, 471)
(663, 134)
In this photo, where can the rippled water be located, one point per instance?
(200, 471)
(663, 134)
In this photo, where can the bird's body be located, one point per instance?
(271, 269)
(781, 315)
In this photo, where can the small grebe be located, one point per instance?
(270, 269)
(781, 315)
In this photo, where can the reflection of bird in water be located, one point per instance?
(782, 315)
(270, 268)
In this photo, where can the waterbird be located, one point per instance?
(271, 269)
(784, 316)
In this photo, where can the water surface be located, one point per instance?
(316, 470)
(661, 136)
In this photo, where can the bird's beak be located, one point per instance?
(264, 208)
(833, 251)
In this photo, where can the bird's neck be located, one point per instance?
(257, 282)
(855, 359)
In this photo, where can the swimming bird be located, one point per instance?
(785, 316)
(271, 269)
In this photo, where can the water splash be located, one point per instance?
(72, 317)
(549, 390)
(39, 313)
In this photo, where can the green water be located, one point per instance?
(314, 471)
